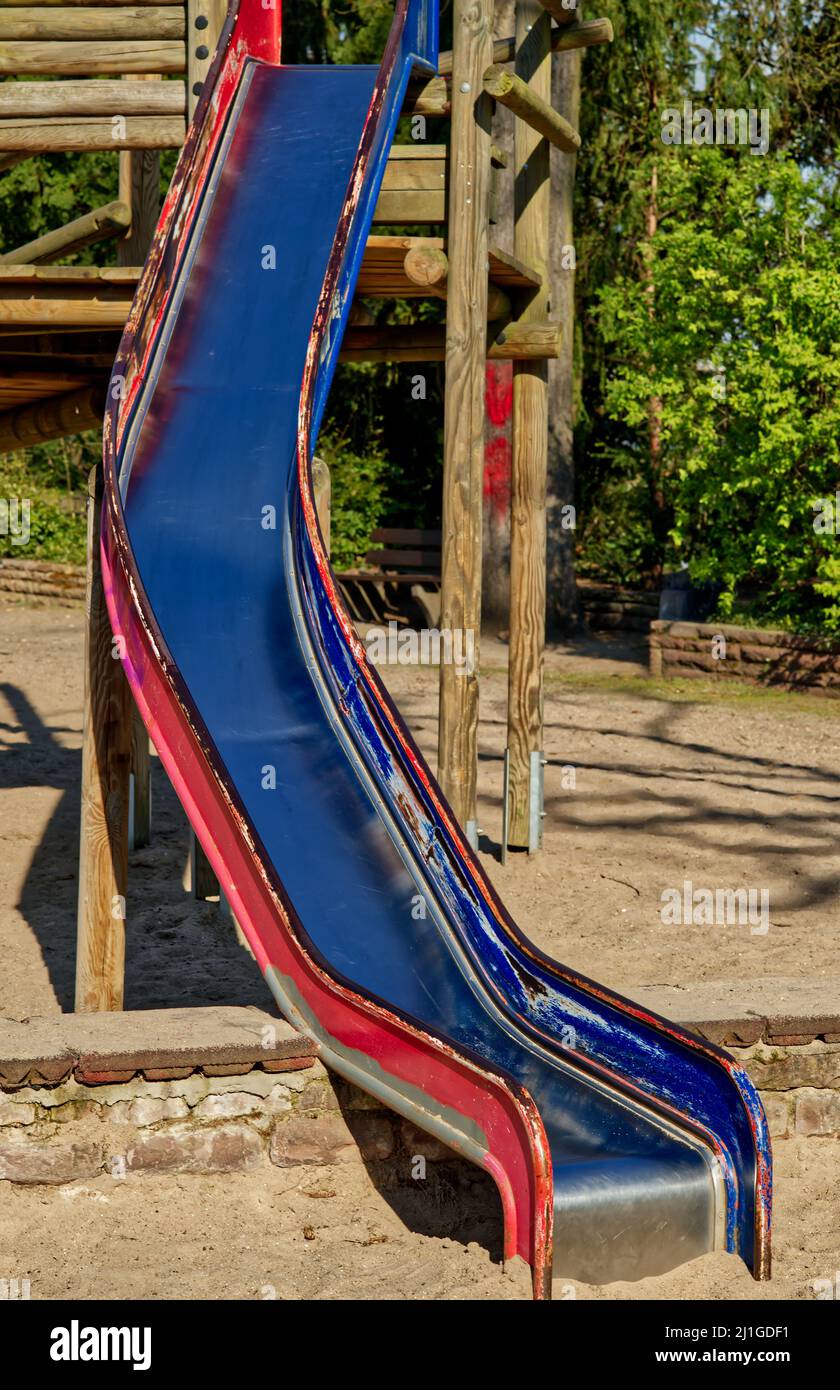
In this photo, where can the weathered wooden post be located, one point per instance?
(106, 758)
(524, 761)
(205, 19)
(463, 447)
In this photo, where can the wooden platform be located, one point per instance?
(60, 326)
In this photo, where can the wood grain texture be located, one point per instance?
(74, 58)
(81, 22)
(57, 134)
(463, 459)
(525, 102)
(66, 413)
(106, 758)
(586, 33)
(529, 430)
(140, 188)
(105, 97)
(205, 20)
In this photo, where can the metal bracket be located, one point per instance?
(472, 834)
(536, 801)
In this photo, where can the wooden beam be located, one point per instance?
(80, 22)
(57, 134)
(140, 833)
(111, 220)
(562, 11)
(529, 456)
(205, 20)
(322, 496)
(427, 96)
(106, 753)
(51, 418)
(383, 273)
(584, 34)
(523, 100)
(13, 157)
(463, 425)
(72, 58)
(140, 187)
(414, 185)
(61, 4)
(19, 386)
(426, 342)
(105, 97)
(428, 269)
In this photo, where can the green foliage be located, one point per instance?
(56, 517)
(742, 351)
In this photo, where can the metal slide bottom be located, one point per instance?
(327, 831)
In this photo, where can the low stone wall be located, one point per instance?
(608, 607)
(764, 657)
(182, 1091)
(34, 579)
(258, 1095)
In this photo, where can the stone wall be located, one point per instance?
(608, 607)
(763, 657)
(42, 579)
(258, 1095)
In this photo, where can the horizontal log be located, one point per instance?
(51, 419)
(104, 4)
(562, 11)
(427, 343)
(111, 220)
(80, 22)
(33, 310)
(77, 275)
(428, 268)
(517, 96)
(586, 33)
(103, 98)
(76, 59)
(428, 96)
(17, 387)
(55, 134)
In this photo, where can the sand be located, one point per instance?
(729, 790)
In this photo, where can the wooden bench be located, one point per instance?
(401, 576)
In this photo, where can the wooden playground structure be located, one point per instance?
(126, 78)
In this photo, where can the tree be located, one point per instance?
(742, 352)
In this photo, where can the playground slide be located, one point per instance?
(620, 1144)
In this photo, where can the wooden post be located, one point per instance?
(322, 490)
(205, 19)
(106, 756)
(463, 446)
(203, 881)
(140, 189)
(530, 450)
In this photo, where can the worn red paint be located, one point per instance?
(498, 400)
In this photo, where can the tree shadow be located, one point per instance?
(178, 951)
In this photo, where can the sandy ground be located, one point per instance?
(670, 784)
